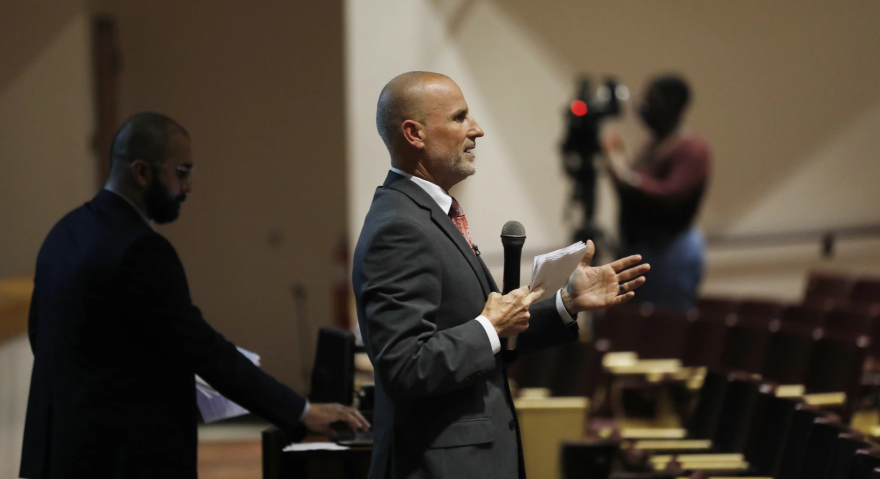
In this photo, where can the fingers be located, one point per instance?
(534, 295)
(622, 298)
(631, 285)
(588, 254)
(633, 272)
(624, 263)
(361, 420)
(354, 419)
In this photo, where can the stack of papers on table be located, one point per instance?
(553, 269)
(314, 446)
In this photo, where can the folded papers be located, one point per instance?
(213, 405)
(553, 269)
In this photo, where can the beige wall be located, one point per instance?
(46, 122)
(46, 166)
(259, 86)
(785, 93)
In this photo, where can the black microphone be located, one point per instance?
(513, 237)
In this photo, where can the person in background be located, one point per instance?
(660, 191)
(117, 340)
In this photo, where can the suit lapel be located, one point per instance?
(488, 274)
(442, 220)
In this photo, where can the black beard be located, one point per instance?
(161, 207)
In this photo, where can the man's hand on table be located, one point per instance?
(320, 416)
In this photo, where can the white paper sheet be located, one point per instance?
(314, 446)
(213, 405)
(553, 269)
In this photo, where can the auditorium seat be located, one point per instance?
(660, 333)
(746, 344)
(760, 309)
(618, 325)
(588, 459)
(846, 319)
(862, 465)
(796, 441)
(736, 415)
(717, 305)
(836, 365)
(866, 290)
(788, 353)
(768, 445)
(705, 339)
(702, 423)
(840, 456)
(752, 425)
(828, 285)
(533, 370)
(824, 303)
(577, 369)
(817, 455)
(803, 314)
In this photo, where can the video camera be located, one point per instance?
(582, 144)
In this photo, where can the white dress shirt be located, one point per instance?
(444, 201)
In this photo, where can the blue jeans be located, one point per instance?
(676, 270)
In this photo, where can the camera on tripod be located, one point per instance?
(582, 144)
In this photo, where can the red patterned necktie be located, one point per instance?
(457, 216)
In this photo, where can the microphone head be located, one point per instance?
(513, 234)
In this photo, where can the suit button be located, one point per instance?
(510, 425)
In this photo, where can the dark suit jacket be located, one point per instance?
(443, 408)
(116, 341)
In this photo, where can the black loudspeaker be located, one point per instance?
(333, 371)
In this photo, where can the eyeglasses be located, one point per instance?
(184, 172)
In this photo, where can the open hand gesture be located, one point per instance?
(596, 287)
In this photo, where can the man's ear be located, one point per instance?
(413, 133)
(141, 172)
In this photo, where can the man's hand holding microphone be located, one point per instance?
(509, 313)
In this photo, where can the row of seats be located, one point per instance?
(823, 359)
(749, 429)
(841, 289)
(750, 348)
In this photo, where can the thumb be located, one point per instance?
(588, 254)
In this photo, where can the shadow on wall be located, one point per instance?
(774, 82)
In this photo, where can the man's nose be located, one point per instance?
(476, 131)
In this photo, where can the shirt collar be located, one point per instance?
(139, 212)
(441, 197)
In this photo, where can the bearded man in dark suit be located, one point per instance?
(429, 311)
(117, 340)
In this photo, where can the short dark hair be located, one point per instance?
(674, 89)
(144, 136)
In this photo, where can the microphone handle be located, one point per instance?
(512, 261)
(510, 282)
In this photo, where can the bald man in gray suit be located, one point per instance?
(430, 313)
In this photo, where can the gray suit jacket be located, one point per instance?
(443, 408)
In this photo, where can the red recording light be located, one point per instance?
(579, 108)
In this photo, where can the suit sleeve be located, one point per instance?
(158, 299)
(401, 281)
(546, 328)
